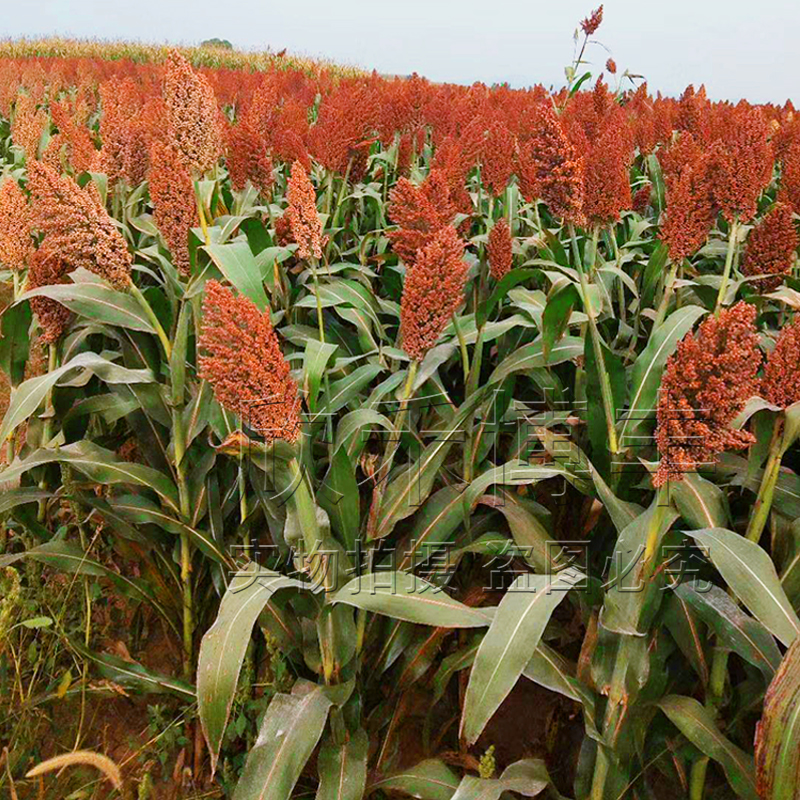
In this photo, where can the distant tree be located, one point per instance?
(216, 43)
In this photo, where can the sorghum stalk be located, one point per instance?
(769, 480)
(597, 346)
(734, 231)
(145, 306)
(669, 285)
(617, 691)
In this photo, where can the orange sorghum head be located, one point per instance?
(192, 115)
(771, 248)
(302, 213)
(500, 249)
(242, 360)
(16, 244)
(706, 383)
(550, 168)
(592, 22)
(77, 226)
(781, 382)
(248, 159)
(27, 124)
(433, 291)
(174, 205)
(46, 269)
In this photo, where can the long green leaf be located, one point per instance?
(224, 645)
(750, 573)
(343, 768)
(405, 596)
(292, 726)
(697, 725)
(510, 643)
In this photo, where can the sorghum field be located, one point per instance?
(371, 437)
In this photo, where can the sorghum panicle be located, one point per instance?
(500, 249)
(242, 360)
(550, 168)
(47, 269)
(192, 115)
(16, 244)
(706, 383)
(781, 382)
(433, 291)
(174, 206)
(302, 214)
(771, 248)
(77, 226)
(592, 22)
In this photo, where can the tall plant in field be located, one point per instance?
(401, 397)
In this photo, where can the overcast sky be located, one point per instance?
(737, 49)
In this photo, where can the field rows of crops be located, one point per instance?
(372, 437)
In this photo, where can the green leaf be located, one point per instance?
(98, 302)
(697, 725)
(429, 780)
(510, 643)
(289, 732)
(238, 264)
(750, 573)
(531, 356)
(557, 313)
(512, 473)
(14, 341)
(744, 635)
(343, 768)
(339, 496)
(405, 596)
(701, 503)
(527, 777)
(346, 389)
(177, 361)
(224, 645)
(133, 675)
(646, 372)
(27, 397)
(315, 360)
(507, 282)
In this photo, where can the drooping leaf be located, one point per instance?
(429, 780)
(750, 573)
(697, 725)
(343, 768)
(776, 753)
(404, 596)
(510, 642)
(289, 732)
(223, 648)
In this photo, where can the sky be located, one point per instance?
(737, 49)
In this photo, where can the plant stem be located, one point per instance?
(769, 481)
(383, 471)
(145, 306)
(186, 545)
(463, 345)
(697, 779)
(47, 428)
(617, 689)
(201, 214)
(620, 284)
(723, 287)
(667, 296)
(597, 346)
